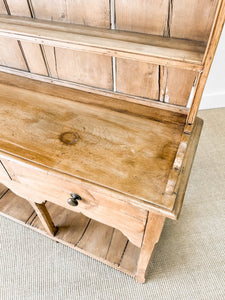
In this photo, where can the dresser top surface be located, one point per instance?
(129, 153)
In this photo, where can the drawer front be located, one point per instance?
(39, 185)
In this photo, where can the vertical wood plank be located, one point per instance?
(2, 8)
(161, 83)
(130, 258)
(96, 239)
(116, 247)
(86, 12)
(176, 85)
(193, 21)
(137, 78)
(146, 16)
(32, 52)
(80, 67)
(84, 68)
(10, 54)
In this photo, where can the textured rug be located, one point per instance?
(188, 262)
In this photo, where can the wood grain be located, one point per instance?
(84, 68)
(10, 54)
(44, 217)
(79, 67)
(141, 150)
(146, 16)
(29, 50)
(161, 83)
(65, 90)
(187, 162)
(38, 186)
(3, 190)
(4, 173)
(176, 85)
(15, 207)
(175, 52)
(87, 12)
(193, 21)
(72, 231)
(152, 234)
(137, 78)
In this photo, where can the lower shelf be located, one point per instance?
(90, 237)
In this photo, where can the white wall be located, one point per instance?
(214, 93)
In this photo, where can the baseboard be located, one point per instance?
(213, 101)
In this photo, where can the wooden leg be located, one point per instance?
(45, 218)
(152, 234)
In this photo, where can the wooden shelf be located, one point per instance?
(178, 53)
(90, 237)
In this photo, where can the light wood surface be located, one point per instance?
(88, 12)
(193, 19)
(154, 110)
(29, 50)
(142, 150)
(3, 190)
(74, 66)
(179, 53)
(152, 234)
(44, 217)
(3, 172)
(167, 19)
(187, 162)
(73, 229)
(37, 186)
(54, 86)
(187, 20)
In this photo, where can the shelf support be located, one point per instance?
(44, 216)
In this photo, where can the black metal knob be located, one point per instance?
(73, 201)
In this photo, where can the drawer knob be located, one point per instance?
(73, 201)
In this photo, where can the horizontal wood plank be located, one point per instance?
(65, 89)
(152, 49)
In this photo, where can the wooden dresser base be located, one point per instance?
(88, 236)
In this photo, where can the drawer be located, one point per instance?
(39, 184)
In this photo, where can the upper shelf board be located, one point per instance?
(158, 50)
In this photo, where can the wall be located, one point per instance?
(214, 94)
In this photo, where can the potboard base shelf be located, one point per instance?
(101, 242)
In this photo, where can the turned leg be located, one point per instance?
(45, 218)
(152, 234)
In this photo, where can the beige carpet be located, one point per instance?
(189, 260)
